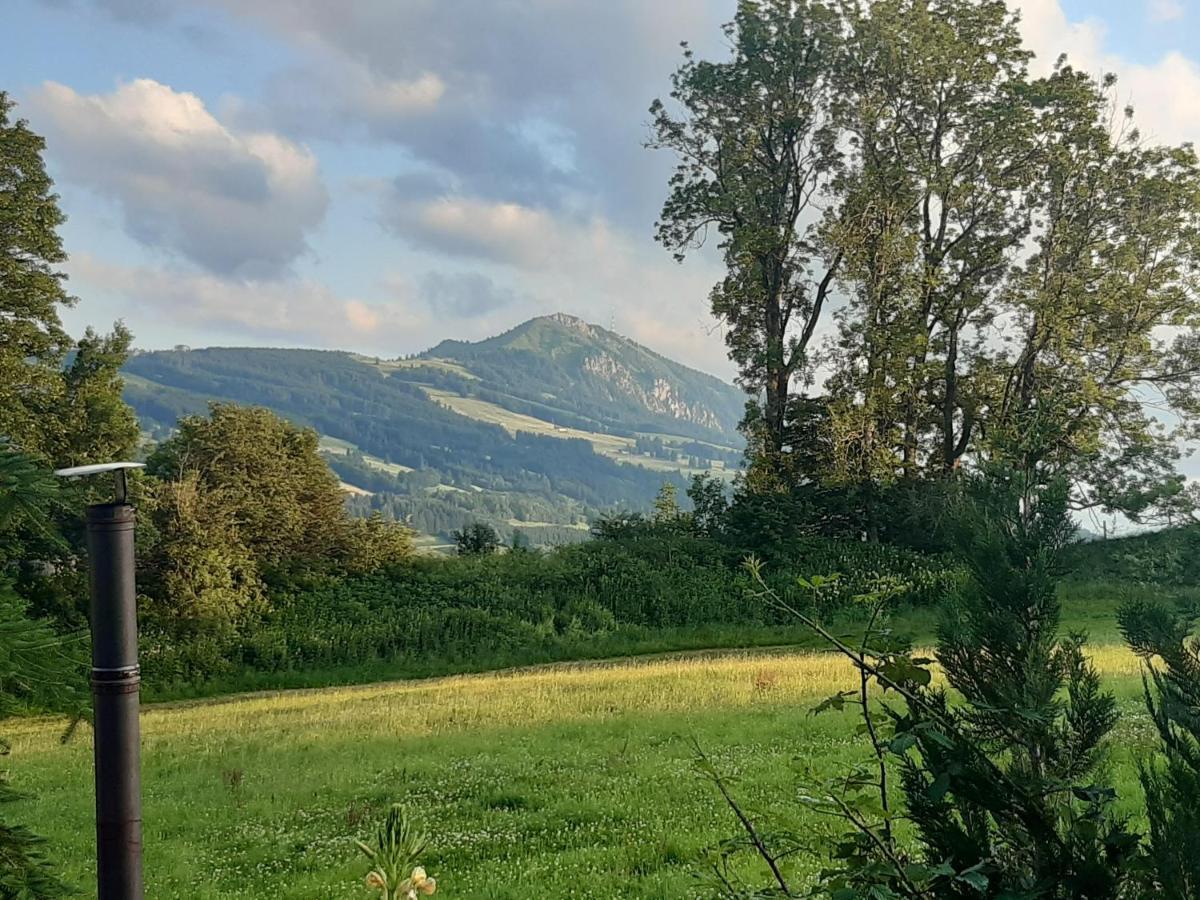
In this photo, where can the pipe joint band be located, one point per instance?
(125, 680)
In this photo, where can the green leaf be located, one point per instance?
(975, 879)
(902, 742)
(937, 790)
(904, 671)
(836, 703)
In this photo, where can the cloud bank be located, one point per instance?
(502, 156)
(232, 202)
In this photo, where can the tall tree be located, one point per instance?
(1106, 309)
(93, 422)
(757, 150)
(1018, 266)
(32, 341)
(932, 101)
(67, 409)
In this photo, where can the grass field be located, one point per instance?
(566, 781)
(615, 447)
(338, 447)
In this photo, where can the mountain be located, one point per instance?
(535, 430)
(565, 363)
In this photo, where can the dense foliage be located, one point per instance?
(481, 608)
(1164, 637)
(1169, 558)
(237, 499)
(1014, 262)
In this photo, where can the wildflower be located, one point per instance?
(397, 846)
(418, 881)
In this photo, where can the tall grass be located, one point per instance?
(560, 781)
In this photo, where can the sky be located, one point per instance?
(377, 175)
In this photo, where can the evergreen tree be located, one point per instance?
(1172, 784)
(39, 670)
(32, 291)
(65, 413)
(1003, 786)
(1003, 783)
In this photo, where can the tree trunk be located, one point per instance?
(950, 403)
(909, 434)
(777, 378)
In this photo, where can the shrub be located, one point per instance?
(511, 608)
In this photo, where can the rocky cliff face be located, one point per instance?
(661, 397)
(574, 323)
(599, 375)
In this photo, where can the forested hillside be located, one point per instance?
(537, 430)
(561, 364)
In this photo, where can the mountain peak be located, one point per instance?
(568, 320)
(550, 333)
(562, 360)
(558, 322)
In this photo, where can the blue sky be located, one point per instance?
(377, 175)
(1142, 31)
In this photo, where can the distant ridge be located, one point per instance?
(537, 429)
(619, 375)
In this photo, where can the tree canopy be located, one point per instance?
(236, 496)
(935, 259)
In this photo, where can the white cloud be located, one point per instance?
(1165, 10)
(586, 267)
(537, 101)
(297, 310)
(515, 234)
(1049, 33)
(232, 201)
(337, 96)
(1164, 94)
